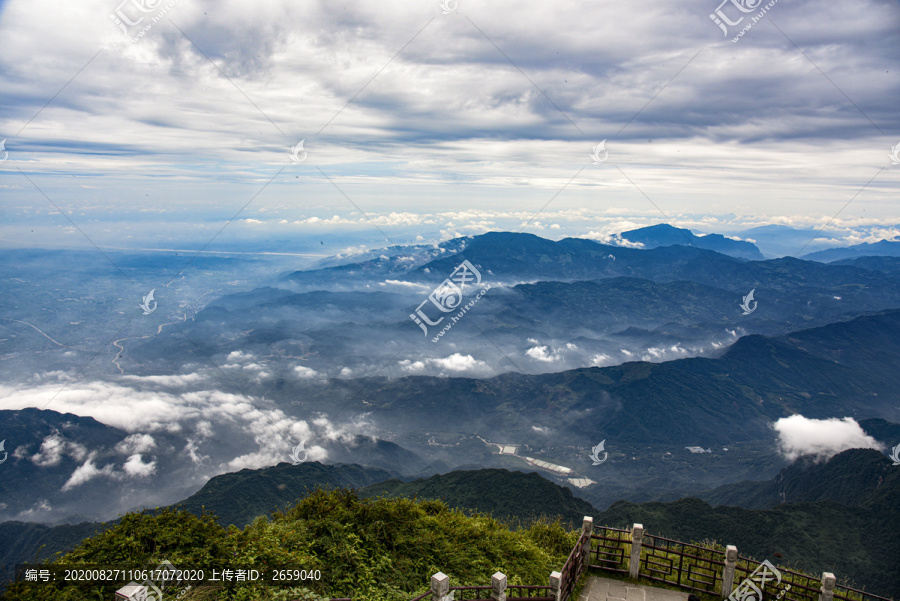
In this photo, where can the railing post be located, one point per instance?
(728, 571)
(440, 586)
(828, 582)
(556, 585)
(498, 586)
(637, 535)
(587, 527)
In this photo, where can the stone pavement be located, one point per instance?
(606, 589)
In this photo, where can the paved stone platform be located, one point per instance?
(606, 589)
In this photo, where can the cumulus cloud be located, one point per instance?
(54, 448)
(303, 372)
(136, 443)
(662, 353)
(456, 364)
(204, 413)
(135, 466)
(799, 436)
(547, 355)
(87, 472)
(612, 238)
(601, 360)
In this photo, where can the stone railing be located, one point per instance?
(498, 590)
(559, 588)
(696, 568)
(635, 554)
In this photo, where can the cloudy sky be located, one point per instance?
(161, 120)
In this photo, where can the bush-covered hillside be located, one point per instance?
(367, 549)
(513, 497)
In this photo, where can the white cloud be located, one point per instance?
(173, 380)
(601, 360)
(134, 466)
(87, 472)
(547, 355)
(800, 436)
(301, 371)
(400, 284)
(54, 447)
(136, 443)
(455, 364)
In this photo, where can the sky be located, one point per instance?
(422, 121)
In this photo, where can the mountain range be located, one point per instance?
(850, 497)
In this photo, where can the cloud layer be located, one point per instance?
(494, 107)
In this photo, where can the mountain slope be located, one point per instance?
(239, 497)
(236, 498)
(664, 234)
(849, 478)
(501, 493)
(856, 541)
(840, 369)
(882, 248)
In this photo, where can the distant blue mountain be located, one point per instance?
(882, 248)
(783, 240)
(664, 234)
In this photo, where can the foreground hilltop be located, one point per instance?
(364, 549)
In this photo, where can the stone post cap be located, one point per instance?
(587, 523)
(440, 583)
(828, 580)
(637, 531)
(731, 553)
(498, 582)
(555, 579)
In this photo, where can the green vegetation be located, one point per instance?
(367, 549)
(513, 497)
(238, 498)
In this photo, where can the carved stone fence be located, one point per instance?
(637, 555)
(696, 568)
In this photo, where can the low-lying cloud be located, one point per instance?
(822, 439)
